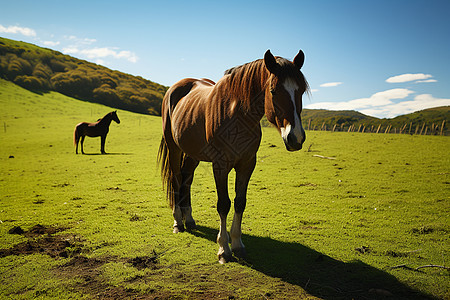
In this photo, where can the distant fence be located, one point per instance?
(418, 129)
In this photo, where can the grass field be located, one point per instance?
(98, 226)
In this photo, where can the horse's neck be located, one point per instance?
(256, 105)
(106, 120)
(252, 94)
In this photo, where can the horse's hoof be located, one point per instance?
(240, 253)
(191, 225)
(225, 258)
(177, 229)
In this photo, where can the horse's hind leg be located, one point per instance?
(187, 175)
(175, 156)
(81, 144)
(77, 139)
(244, 171)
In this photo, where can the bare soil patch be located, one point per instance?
(85, 271)
(40, 240)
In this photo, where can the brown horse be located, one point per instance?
(220, 123)
(99, 128)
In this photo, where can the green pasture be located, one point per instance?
(351, 215)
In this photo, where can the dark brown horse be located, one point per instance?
(220, 123)
(99, 128)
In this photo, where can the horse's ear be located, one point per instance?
(271, 62)
(299, 59)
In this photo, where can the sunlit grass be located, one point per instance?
(324, 227)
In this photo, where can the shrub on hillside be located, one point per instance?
(31, 83)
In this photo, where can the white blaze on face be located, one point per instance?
(291, 87)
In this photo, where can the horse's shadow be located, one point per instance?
(318, 274)
(106, 154)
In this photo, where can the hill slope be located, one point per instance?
(431, 119)
(43, 70)
(114, 227)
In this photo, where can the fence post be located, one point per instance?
(423, 127)
(388, 129)
(442, 127)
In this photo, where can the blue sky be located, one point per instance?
(383, 58)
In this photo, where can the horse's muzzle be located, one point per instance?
(294, 144)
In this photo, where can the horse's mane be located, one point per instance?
(241, 86)
(244, 83)
(236, 90)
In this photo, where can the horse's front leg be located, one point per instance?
(223, 207)
(244, 171)
(102, 144)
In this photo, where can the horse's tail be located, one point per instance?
(166, 171)
(75, 136)
(169, 169)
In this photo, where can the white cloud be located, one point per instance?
(50, 43)
(408, 77)
(428, 80)
(376, 100)
(70, 50)
(420, 102)
(381, 104)
(100, 62)
(99, 53)
(80, 41)
(18, 30)
(105, 52)
(330, 84)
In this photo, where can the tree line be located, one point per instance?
(42, 70)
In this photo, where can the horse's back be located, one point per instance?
(89, 129)
(184, 110)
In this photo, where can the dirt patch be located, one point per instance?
(61, 185)
(87, 273)
(52, 246)
(40, 240)
(16, 230)
(144, 262)
(36, 230)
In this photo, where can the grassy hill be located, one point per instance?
(98, 226)
(42, 70)
(430, 120)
